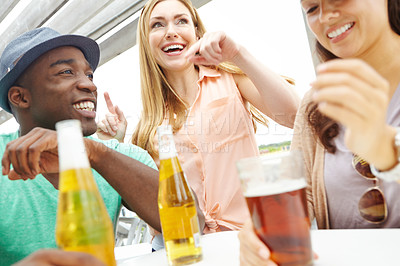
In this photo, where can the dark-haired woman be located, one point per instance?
(349, 120)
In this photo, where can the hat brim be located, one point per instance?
(89, 48)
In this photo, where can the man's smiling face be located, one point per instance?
(61, 86)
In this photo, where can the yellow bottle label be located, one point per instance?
(179, 222)
(181, 234)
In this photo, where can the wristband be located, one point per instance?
(392, 174)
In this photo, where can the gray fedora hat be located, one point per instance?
(25, 49)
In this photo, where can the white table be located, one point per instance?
(218, 249)
(362, 247)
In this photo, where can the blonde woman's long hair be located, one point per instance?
(158, 97)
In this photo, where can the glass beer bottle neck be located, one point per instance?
(170, 166)
(71, 149)
(77, 179)
(75, 171)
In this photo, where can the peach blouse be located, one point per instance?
(217, 133)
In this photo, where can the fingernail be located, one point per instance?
(3, 170)
(263, 253)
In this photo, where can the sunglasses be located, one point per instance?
(372, 204)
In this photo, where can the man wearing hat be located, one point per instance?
(47, 77)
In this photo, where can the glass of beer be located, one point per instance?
(274, 186)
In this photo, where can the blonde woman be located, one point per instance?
(185, 82)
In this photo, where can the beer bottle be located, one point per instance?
(83, 223)
(178, 215)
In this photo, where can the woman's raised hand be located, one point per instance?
(352, 93)
(212, 49)
(113, 126)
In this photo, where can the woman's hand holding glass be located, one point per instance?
(352, 93)
(114, 125)
(212, 49)
(252, 250)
